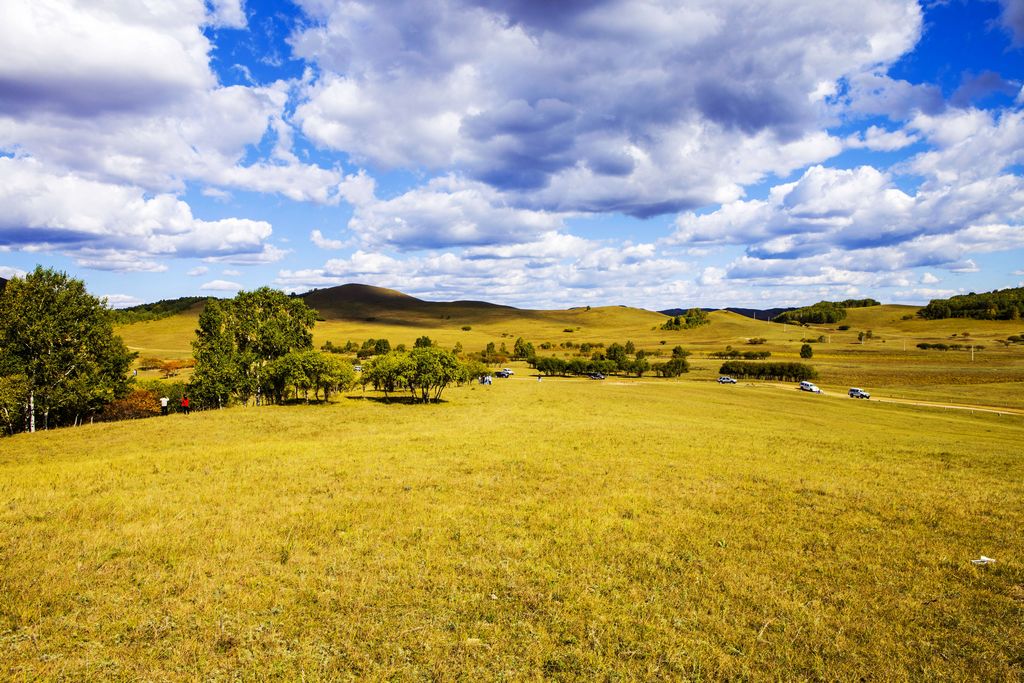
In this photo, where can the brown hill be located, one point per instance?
(366, 302)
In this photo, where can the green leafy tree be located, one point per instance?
(218, 372)
(630, 348)
(423, 342)
(431, 370)
(806, 351)
(238, 339)
(386, 372)
(60, 339)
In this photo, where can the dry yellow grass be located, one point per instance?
(568, 529)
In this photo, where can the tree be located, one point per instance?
(60, 339)
(239, 338)
(386, 372)
(806, 351)
(630, 348)
(431, 371)
(423, 342)
(520, 350)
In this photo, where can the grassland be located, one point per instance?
(568, 529)
(889, 364)
(565, 528)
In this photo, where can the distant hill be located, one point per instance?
(755, 313)
(157, 310)
(369, 303)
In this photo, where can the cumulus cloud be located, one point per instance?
(7, 272)
(831, 224)
(317, 238)
(446, 211)
(81, 60)
(220, 286)
(123, 92)
(122, 300)
(1012, 18)
(880, 140)
(112, 226)
(553, 270)
(596, 106)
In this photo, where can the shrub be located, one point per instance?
(137, 404)
(806, 351)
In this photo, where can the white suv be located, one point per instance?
(858, 393)
(811, 387)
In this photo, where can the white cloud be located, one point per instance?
(227, 13)
(598, 107)
(231, 272)
(110, 226)
(80, 59)
(7, 272)
(554, 270)
(220, 286)
(447, 211)
(198, 271)
(317, 238)
(122, 300)
(123, 93)
(929, 279)
(881, 140)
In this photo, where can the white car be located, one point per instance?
(858, 393)
(726, 380)
(811, 387)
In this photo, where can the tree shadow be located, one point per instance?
(395, 400)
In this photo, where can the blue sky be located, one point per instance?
(640, 152)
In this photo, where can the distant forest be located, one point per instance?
(155, 311)
(823, 311)
(1002, 304)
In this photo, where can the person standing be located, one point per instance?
(163, 404)
(184, 405)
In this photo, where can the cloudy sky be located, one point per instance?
(655, 153)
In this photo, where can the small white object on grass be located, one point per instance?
(983, 560)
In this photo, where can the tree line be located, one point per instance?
(796, 372)
(823, 312)
(1001, 304)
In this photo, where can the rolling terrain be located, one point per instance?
(575, 530)
(572, 529)
(888, 364)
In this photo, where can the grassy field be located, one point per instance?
(570, 529)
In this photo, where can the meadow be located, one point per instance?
(566, 529)
(626, 529)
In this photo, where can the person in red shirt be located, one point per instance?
(184, 405)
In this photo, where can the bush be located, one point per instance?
(806, 351)
(137, 404)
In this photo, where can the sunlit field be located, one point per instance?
(571, 529)
(889, 364)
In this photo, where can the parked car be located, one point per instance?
(811, 387)
(726, 380)
(858, 393)
(504, 373)
(596, 375)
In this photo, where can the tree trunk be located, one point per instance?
(32, 411)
